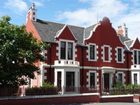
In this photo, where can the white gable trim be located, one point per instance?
(133, 42)
(60, 32)
(93, 30)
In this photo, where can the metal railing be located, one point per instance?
(120, 91)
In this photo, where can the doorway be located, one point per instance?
(70, 81)
(106, 81)
(59, 80)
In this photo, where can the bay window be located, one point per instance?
(70, 50)
(66, 50)
(63, 50)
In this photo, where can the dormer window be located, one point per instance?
(92, 52)
(66, 50)
(119, 55)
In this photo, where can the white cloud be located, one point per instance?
(118, 11)
(38, 3)
(18, 6)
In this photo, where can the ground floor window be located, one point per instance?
(120, 77)
(135, 78)
(92, 80)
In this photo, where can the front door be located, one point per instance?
(59, 80)
(70, 81)
(106, 81)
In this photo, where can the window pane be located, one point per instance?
(120, 77)
(92, 80)
(139, 57)
(135, 57)
(135, 78)
(106, 53)
(70, 50)
(92, 52)
(120, 55)
(63, 50)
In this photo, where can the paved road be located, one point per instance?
(105, 104)
(112, 104)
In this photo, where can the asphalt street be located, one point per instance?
(103, 104)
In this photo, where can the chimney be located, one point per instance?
(31, 13)
(122, 30)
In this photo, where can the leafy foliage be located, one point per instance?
(18, 53)
(46, 89)
(47, 85)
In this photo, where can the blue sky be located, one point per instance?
(78, 12)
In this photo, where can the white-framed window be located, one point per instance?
(119, 55)
(120, 77)
(66, 51)
(135, 78)
(136, 56)
(92, 52)
(106, 53)
(92, 79)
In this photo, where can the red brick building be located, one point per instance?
(83, 59)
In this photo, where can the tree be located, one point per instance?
(19, 51)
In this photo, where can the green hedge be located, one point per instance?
(46, 89)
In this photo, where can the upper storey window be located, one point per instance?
(106, 53)
(92, 52)
(66, 50)
(70, 50)
(136, 56)
(119, 55)
(63, 50)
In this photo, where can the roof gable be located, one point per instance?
(135, 44)
(65, 33)
(105, 34)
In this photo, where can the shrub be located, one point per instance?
(46, 89)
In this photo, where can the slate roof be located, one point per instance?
(123, 38)
(88, 30)
(128, 43)
(48, 30)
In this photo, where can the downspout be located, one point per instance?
(50, 61)
(82, 65)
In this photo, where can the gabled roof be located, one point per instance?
(123, 38)
(88, 30)
(48, 30)
(128, 44)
